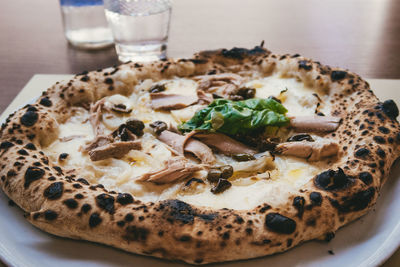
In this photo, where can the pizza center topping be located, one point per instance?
(254, 136)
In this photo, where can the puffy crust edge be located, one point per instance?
(65, 204)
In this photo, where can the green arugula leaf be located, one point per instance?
(237, 117)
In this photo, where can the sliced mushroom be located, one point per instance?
(95, 116)
(204, 98)
(228, 85)
(313, 151)
(261, 163)
(157, 88)
(118, 143)
(159, 126)
(70, 137)
(315, 123)
(181, 144)
(113, 150)
(300, 137)
(224, 144)
(176, 169)
(99, 141)
(121, 108)
(161, 101)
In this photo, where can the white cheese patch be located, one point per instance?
(298, 99)
(277, 179)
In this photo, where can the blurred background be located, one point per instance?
(360, 35)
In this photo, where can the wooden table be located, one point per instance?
(361, 35)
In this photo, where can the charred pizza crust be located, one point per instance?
(63, 203)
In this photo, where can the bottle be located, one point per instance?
(85, 25)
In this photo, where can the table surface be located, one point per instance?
(360, 35)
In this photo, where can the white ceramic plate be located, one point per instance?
(368, 241)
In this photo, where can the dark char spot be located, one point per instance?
(241, 53)
(94, 220)
(383, 129)
(389, 107)
(32, 174)
(30, 146)
(83, 181)
(304, 64)
(63, 156)
(379, 139)
(108, 81)
(332, 180)
(298, 203)
(71, 203)
(50, 215)
(279, 223)
(22, 152)
(79, 196)
(134, 233)
(124, 199)
(329, 236)
(358, 201)
(366, 177)
(29, 118)
(185, 238)
(45, 101)
(54, 191)
(106, 202)
(85, 208)
(6, 145)
(316, 198)
(129, 217)
(338, 75)
(183, 212)
(381, 153)
(362, 152)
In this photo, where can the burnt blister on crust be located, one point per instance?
(106, 202)
(32, 174)
(362, 152)
(356, 202)
(124, 199)
(316, 198)
(390, 108)
(71, 203)
(338, 75)
(54, 191)
(332, 180)
(366, 177)
(298, 203)
(353, 196)
(94, 220)
(180, 211)
(134, 233)
(45, 101)
(50, 215)
(241, 53)
(304, 64)
(6, 145)
(279, 223)
(29, 118)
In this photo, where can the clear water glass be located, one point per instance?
(140, 28)
(85, 24)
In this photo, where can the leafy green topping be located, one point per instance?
(237, 117)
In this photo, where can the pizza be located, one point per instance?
(231, 154)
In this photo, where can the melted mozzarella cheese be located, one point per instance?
(278, 178)
(298, 99)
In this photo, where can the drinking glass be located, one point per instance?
(140, 28)
(85, 25)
